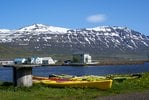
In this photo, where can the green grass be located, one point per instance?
(41, 92)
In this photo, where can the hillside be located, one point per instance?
(103, 41)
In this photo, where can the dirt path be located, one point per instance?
(130, 96)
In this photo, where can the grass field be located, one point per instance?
(41, 92)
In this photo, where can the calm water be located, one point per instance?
(6, 73)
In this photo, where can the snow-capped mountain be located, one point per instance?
(43, 28)
(104, 39)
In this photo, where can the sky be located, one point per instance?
(73, 14)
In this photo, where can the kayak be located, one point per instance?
(121, 78)
(62, 82)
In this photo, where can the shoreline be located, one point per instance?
(102, 63)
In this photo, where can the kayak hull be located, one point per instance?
(102, 84)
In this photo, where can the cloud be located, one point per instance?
(96, 18)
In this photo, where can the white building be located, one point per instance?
(6, 62)
(82, 58)
(42, 60)
(36, 60)
(20, 60)
(47, 60)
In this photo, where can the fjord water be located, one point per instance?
(6, 73)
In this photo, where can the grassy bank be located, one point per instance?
(40, 92)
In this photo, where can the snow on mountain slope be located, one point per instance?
(43, 28)
(101, 28)
(101, 39)
(4, 30)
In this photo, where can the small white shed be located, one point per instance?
(20, 61)
(47, 60)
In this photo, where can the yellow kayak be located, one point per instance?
(100, 84)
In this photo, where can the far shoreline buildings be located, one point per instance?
(82, 58)
(35, 60)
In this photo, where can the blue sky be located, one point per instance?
(134, 14)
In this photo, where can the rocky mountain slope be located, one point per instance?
(50, 39)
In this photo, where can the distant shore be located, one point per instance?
(102, 63)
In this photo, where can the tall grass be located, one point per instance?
(41, 92)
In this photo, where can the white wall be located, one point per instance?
(87, 58)
(48, 59)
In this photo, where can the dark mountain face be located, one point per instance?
(49, 39)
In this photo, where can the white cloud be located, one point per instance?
(96, 18)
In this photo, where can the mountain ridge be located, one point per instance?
(33, 27)
(98, 40)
